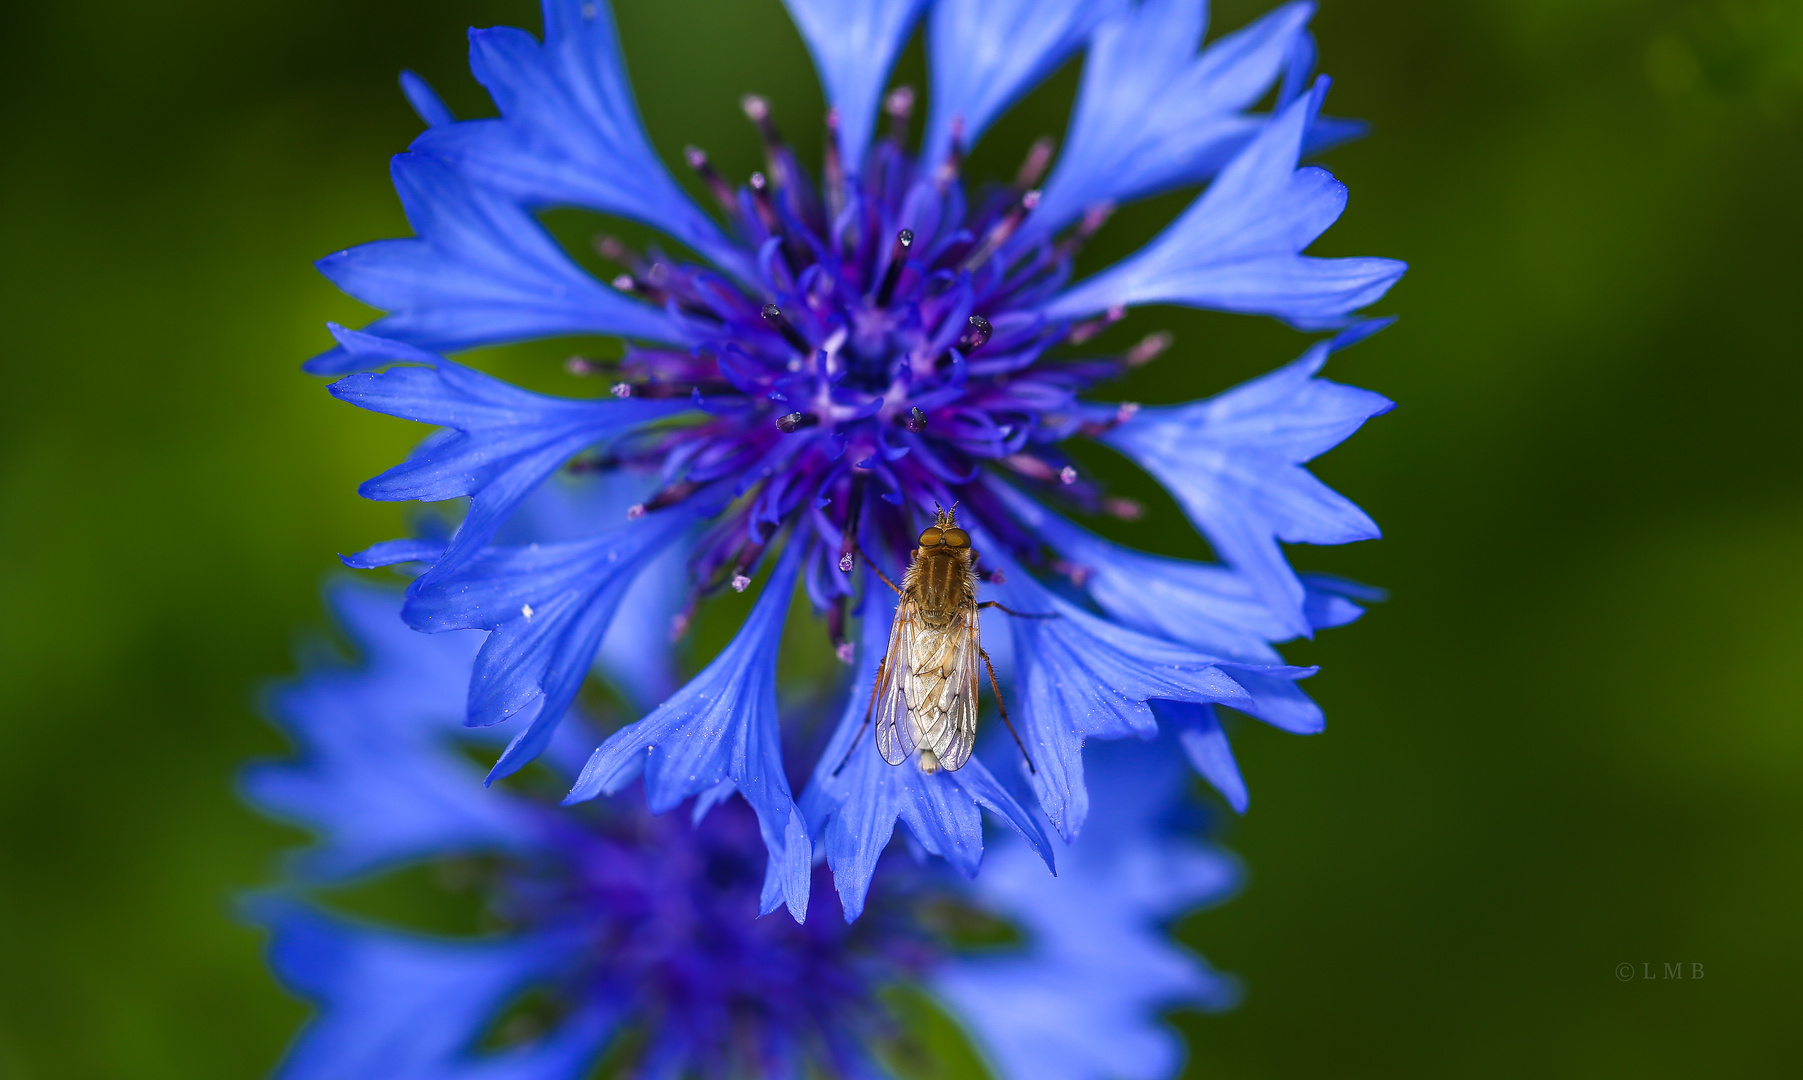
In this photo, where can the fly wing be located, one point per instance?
(963, 714)
(942, 688)
(894, 733)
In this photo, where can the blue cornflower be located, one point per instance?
(847, 355)
(623, 935)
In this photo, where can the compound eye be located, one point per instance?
(957, 538)
(933, 538)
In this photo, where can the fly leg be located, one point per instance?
(868, 561)
(997, 690)
(1018, 614)
(881, 664)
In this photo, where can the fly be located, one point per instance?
(925, 695)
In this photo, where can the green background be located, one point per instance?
(1570, 741)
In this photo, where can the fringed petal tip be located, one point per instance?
(1251, 491)
(1239, 246)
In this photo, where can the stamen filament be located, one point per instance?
(781, 324)
(897, 251)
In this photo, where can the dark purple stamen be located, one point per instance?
(1148, 348)
(897, 250)
(780, 323)
(1039, 156)
(716, 183)
(1093, 220)
(977, 336)
(899, 105)
(854, 505)
(832, 169)
(1001, 231)
(766, 209)
(1084, 331)
(790, 423)
(917, 420)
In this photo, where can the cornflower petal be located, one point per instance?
(502, 443)
(426, 103)
(549, 607)
(985, 54)
(1080, 1001)
(1204, 742)
(1234, 463)
(569, 131)
(635, 655)
(1238, 246)
(1079, 676)
(854, 44)
(722, 726)
(624, 924)
(1209, 607)
(1153, 114)
(359, 350)
(855, 797)
(405, 1007)
(480, 271)
(375, 781)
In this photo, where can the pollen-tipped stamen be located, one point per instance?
(854, 506)
(897, 254)
(757, 110)
(1148, 348)
(1039, 156)
(615, 250)
(1123, 509)
(835, 629)
(947, 171)
(1084, 331)
(1091, 223)
(1002, 230)
(722, 191)
(779, 322)
(899, 106)
(976, 336)
(764, 205)
(832, 170)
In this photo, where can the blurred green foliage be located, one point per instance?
(1571, 740)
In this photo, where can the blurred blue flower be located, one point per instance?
(624, 935)
(851, 352)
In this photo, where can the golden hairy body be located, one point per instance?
(925, 696)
